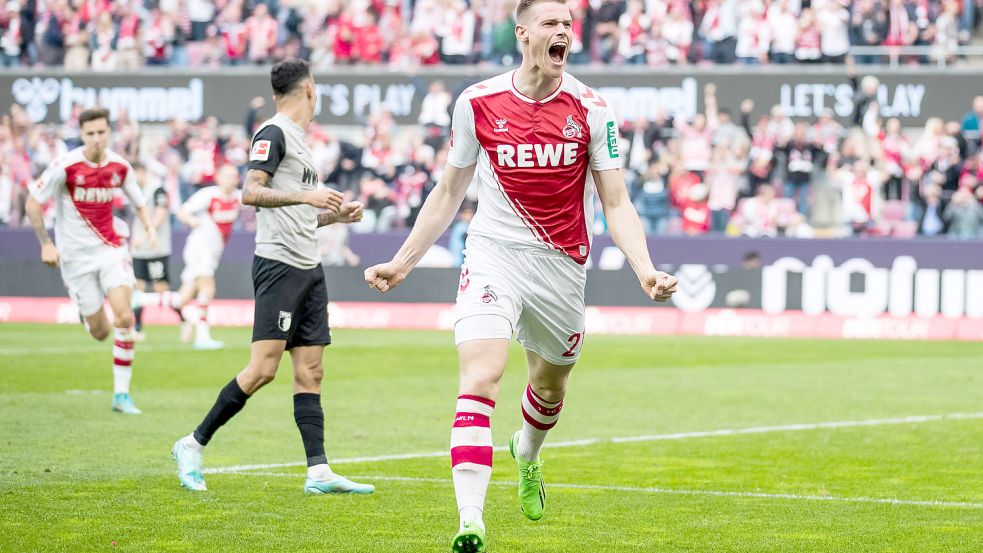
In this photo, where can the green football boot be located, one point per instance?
(532, 491)
(470, 538)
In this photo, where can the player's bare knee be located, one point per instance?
(263, 372)
(99, 332)
(124, 319)
(480, 381)
(314, 373)
(552, 392)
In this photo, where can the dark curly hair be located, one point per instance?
(288, 74)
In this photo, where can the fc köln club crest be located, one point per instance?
(284, 321)
(572, 129)
(489, 295)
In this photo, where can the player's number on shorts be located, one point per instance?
(574, 341)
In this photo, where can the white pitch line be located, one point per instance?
(916, 419)
(673, 491)
(64, 350)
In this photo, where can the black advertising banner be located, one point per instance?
(913, 95)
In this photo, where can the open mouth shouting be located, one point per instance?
(557, 51)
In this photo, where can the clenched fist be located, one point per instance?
(386, 276)
(350, 212)
(49, 254)
(658, 285)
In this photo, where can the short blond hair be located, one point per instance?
(523, 6)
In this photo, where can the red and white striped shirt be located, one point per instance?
(535, 157)
(84, 193)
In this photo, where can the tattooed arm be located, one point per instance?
(257, 192)
(49, 253)
(350, 212)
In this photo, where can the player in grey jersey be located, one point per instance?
(150, 266)
(291, 297)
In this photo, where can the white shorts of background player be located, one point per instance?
(90, 278)
(200, 261)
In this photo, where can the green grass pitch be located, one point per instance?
(76, 477)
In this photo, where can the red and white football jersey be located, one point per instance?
(216, 214)
(83, 193)
(534, 158)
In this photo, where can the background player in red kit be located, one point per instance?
(539, 142)
(91, 250)
(210, 213)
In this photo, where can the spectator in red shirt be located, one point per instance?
(344, 42)
(368, 43)
(234, 34)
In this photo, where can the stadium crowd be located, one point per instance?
(722, 171)
(106, 35)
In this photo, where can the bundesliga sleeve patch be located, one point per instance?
(260, 151)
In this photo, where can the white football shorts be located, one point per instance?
(90, 278)
(540, 293)
(200, 260)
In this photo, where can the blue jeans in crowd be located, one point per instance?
(719, 219)
(798, 191)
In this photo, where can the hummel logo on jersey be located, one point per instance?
(502, 125)
(93, 195)
(537, 155)
(572, 129)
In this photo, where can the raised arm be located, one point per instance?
(629, 235)
(436, 215)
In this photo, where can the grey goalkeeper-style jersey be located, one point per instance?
(286, 234)
(156, 197)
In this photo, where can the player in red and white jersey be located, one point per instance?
(91, 247)
(210, 212)
(539, 143)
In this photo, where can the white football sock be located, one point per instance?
(538, 417)
(122, 360)
(202, 330)
(321, 472)
(191, 443)
(471, 455)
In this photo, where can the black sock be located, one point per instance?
(230, 401)
(310, 421)
(138, 318)
(180, 314)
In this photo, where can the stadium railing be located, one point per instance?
(941, 58)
